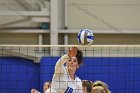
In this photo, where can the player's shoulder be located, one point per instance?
(79, 82)
(50, 91)
(77, 78)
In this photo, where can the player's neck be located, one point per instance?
(72, 77)
(71, 74)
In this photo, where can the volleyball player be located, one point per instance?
(64, 79)
(46, 88)
(87, 86)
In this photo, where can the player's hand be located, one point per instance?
(72, 52)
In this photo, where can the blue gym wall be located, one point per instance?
(121, 74)
(18, 75)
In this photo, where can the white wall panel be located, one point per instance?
(104, 14)
(18, 38)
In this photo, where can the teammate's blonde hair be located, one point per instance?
(104, 85)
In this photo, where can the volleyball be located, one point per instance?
(85, 37)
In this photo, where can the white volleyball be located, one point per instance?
(85, 37)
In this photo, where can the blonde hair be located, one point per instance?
(104, 85)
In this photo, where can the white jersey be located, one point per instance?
(48, 91)
(61, 81)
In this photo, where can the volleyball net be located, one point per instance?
(23, 67)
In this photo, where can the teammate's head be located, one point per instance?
(100, 87)
(46, 86)
(86, 85)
